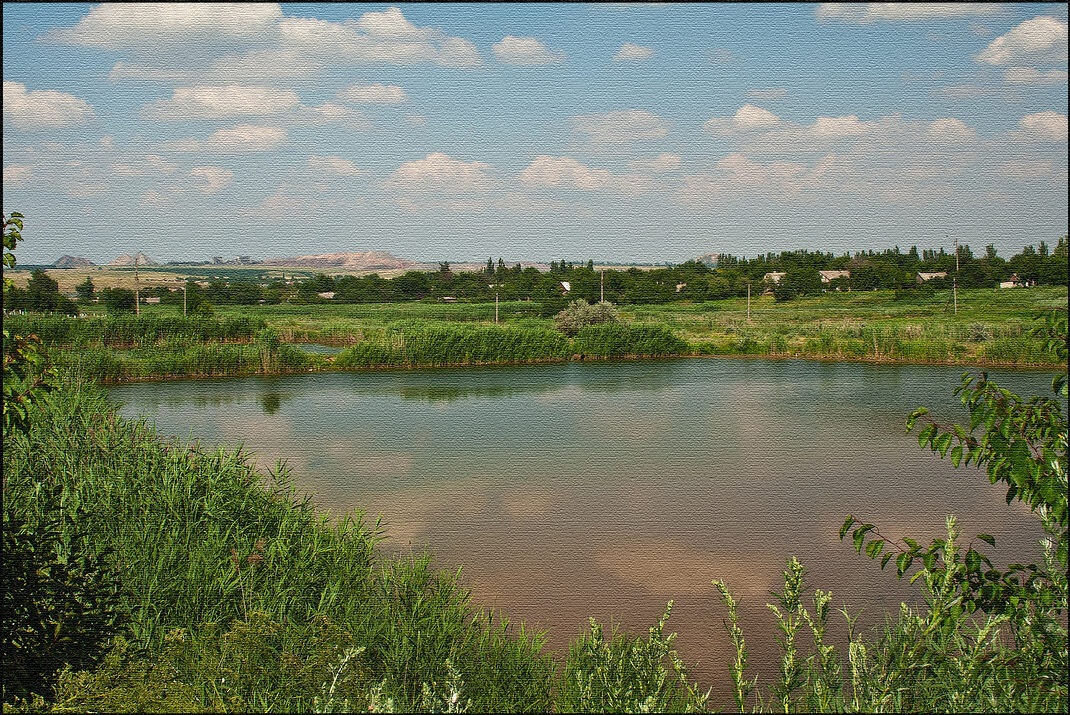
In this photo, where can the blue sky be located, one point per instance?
(625, 132)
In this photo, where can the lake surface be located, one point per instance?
(606, 489)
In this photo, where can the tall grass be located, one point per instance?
(420, 342)
(131, 330)
(241, 594)
(620, 340)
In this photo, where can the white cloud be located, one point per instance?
(1024, 169)
(115, 26)
(216, 178)
(624, 126)
(107, 141)
(767, 95)
(525, 51)
(631, 51)
(950, 130)
(660, 164)
(153, 198)
(1033, 76)
(748, 118)
(243, 138)
(385, 36)
(263, 66)
(43, 109)
(334, 165)
(1041, 40)
(866, 13)
(221, 102)
(738, 174)
(849, 126)
(1045, 125)
(331, 113)
(563, 172)
(373, 94)
(16, 174)
(438, 172)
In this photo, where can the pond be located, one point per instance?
(606, 489)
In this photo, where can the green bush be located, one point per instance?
(618, 340)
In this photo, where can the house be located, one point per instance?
(566, 287)
(152, 300)
(680, 287)
(829, 276)
(1015, 282)
(774, 277)
(922, 277)
(326, 294)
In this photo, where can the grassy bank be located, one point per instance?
(171, 579)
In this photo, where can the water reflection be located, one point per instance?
(605, 489)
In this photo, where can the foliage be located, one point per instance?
(27, 375)
(118, 299)
(579, 314)
(627, 674)
(60, 600)
(618, 340)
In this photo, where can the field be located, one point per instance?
(991, 328)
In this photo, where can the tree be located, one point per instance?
(579, 314)
(117, 299)
(85, 290)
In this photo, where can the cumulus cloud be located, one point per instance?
(767, 95)
(373, 94)
(215, 178)
(867, 13)
(1047, 125)
(1033, 76)
(740, 174)
(660, 164)
(385, 36)
(441, 173)
(221, 102)
(950, 130)
(620, 127)
(525, 51)
(631, 51)
(747, 118)
(1041, 40)
(244, 138)
(116, 26)
(563, 171)
(334, 165)
(43, 109)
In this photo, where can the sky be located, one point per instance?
(625, 132)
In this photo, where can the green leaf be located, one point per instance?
(874, 547)
(846, 525)
(956, 455)
(987, 539)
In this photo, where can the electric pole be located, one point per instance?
(137, 289)
(748, 301)
(183, 300)
(955, 283)
(495, 307)
(602, 286)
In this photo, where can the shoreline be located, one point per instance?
(1030, 367)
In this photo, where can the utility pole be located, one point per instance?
(602, 286)
(955, 283)
(183, 300)
(748, 301)
(137, 289)
(495, 307)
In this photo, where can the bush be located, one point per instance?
(579, 314)
(618, 340)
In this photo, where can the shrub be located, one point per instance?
(579, 314)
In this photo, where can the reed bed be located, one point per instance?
(131, 330)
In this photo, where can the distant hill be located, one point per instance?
(359, 261)
(72, 262)
(127, 260)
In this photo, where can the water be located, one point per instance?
(606, 489)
